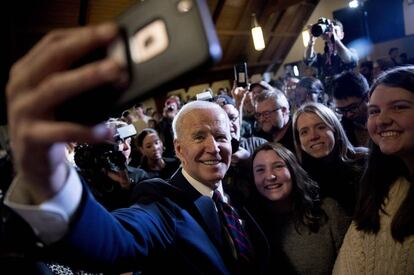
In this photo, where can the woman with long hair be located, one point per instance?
(380, 239)
(304, 232)
(325, 152)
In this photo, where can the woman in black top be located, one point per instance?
(326, 154)
(152, 161)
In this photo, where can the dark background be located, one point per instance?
(384, 20)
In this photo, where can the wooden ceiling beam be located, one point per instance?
(248, 33)
(218, 10)
(241, 25)
(251, 65)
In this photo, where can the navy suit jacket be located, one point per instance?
(171, 227)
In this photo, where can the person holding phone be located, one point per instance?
(176, 223)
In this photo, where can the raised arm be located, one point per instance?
(39, 83)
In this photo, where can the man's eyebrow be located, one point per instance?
(197, 133)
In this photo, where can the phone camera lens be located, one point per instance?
(185, 5)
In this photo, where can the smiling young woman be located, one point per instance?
(326, 154)
(383, 229)
(304, 232)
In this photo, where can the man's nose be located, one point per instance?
(348, 114)
(212, 144)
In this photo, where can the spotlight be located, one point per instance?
(353, 4)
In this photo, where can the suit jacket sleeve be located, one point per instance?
(138, 238)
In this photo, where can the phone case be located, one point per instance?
(240, 74)
(192, 46)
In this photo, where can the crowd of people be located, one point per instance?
(314, 179)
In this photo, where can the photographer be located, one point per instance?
(105, 167)
(336, 57)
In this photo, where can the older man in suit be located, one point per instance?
(173, 227)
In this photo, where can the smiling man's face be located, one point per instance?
(204, 145)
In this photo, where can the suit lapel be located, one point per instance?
(203, 210)
(211, 221)
(178, 180)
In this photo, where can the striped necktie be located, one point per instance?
(232, 222)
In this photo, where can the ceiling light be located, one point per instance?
(257, 34)
(305, 37)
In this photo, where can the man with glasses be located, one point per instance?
(272, 113)
(244, 99)
(350, 93)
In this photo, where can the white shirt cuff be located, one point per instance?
(50, 219)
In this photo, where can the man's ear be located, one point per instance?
(177, 148)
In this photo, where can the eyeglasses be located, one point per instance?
(265, 113)
(351, 108)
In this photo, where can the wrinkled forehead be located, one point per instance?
(216, 116)
(207, 119)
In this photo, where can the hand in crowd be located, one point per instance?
(239, 94)
(312, 39)
(335, 33)
(41, 81)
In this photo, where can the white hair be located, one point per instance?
(187, 108)
(277, 96)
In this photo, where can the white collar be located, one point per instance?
(202, 188)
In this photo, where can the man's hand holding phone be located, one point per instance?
(77, 77)
(39, 83)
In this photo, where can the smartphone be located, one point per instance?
(161, 43)
(125, 132)
(240, 74)
(206, 96)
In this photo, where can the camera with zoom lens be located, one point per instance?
(324, 25)
(94, 158)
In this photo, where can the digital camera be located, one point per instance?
(324, 25)
(95, 157)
